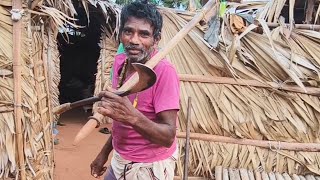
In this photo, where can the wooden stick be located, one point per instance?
(153, 62)
(251, 175)
(244, 174)
(264, 176)
(35, 3)
(88, 128)
(191, 178)
(279, 176)
(218, 173)
(309, 13)
(16, 35)
(225, 175)
(315, 27)
(286, 176)
(272, 176)
(295, 177)
(225, 80)
(257, 175)
(306, 147)
(186, 159)
(49, 80)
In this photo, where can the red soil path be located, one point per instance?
(73, 162)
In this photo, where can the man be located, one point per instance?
(144, 126)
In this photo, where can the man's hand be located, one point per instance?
(97, 166)
(117, 108)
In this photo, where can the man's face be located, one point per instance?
(138, 40)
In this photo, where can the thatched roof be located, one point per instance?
(253, 86)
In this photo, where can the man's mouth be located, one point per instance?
(134, 51)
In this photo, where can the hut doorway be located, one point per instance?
(79, 51)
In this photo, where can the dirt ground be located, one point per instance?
(73, 162)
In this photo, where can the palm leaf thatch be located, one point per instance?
(241, 111)
(267, 89)
(40, 77)
(249, 112)
(266, 92)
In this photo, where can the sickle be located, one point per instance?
(147, 78)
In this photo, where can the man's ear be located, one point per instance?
(157, 39)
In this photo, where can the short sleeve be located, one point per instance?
(167, 90)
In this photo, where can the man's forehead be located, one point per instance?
(143, 23)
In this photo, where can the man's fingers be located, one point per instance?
(93, 172)
(108, 88)
(97, 172)
(104, 111)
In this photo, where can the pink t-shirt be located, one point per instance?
(163, 95)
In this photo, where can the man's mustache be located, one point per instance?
(132, 47)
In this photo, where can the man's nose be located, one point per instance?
(135, 39)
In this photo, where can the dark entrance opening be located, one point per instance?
(79, 51)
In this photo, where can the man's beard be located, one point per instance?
(145, 54)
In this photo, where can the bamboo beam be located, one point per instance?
(306, 147)
(314, 27)
(218, 173)
(47, 69)
(190, 178)
(226, 80)
(310, 9)
(17, 68)
(186, 159)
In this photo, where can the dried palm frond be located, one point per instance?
(108, 47)
(248, 112)
(36, 121)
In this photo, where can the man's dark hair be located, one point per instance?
(142, 10)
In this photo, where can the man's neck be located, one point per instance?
(130, 68)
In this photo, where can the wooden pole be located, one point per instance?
(314, 27)
(186, 159)
(218, 172)
(241, 82)
(310, 9)
(92, 123)
(306, 147)
(16, 50)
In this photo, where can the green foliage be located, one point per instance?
(179, 4)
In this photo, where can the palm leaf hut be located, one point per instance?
(254, 111)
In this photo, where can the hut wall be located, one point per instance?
(241, 112)
(36, 112)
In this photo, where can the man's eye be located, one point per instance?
(145, 35)
(127, 31)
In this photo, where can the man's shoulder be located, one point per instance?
(163, 64)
